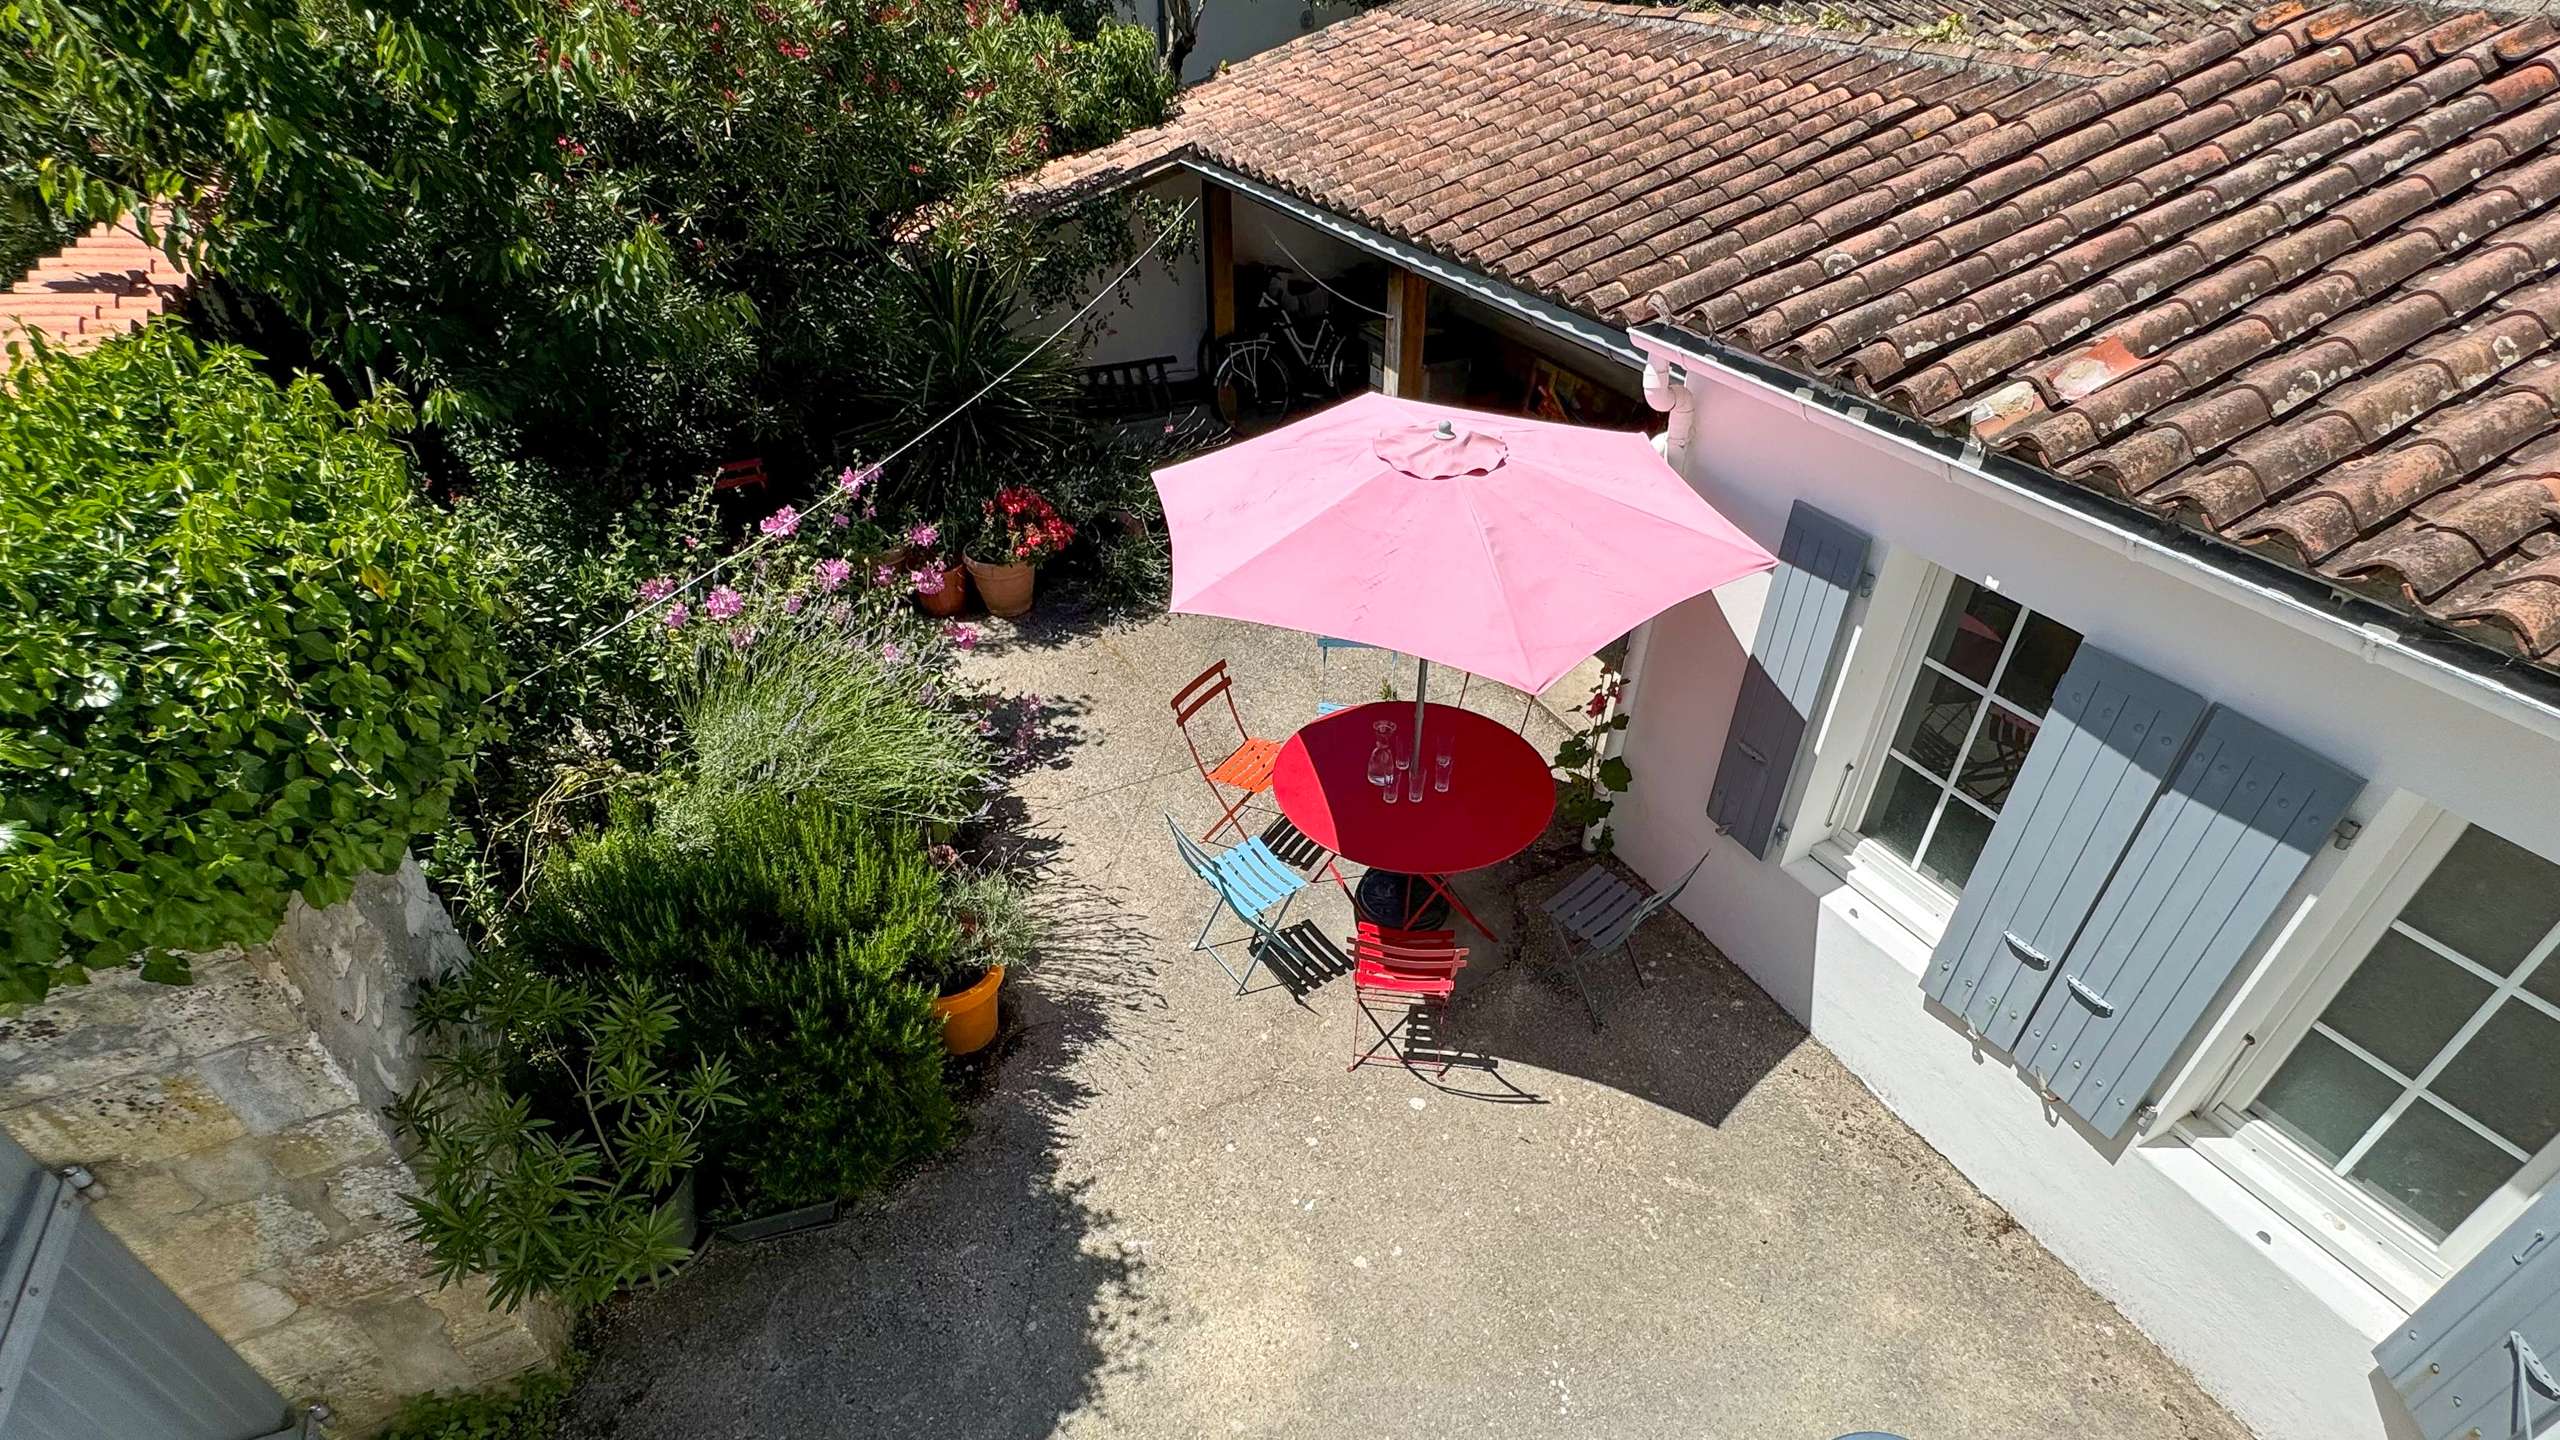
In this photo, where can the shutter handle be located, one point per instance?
(2089, 997)
(1751, 752)
(2028, 955)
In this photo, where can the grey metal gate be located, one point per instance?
(93, 1346)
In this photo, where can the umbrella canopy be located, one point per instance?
(1507, 547)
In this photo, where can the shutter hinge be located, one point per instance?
(2146, 1117)
(1866, 583)
(2531, 1379)
(2346, 832)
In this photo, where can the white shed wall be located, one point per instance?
(2267, 1320)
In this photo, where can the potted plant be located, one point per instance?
(942, 586)
(1021, 529)
(556, 1143)
(998, 932)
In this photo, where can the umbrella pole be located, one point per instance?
(1421, 687)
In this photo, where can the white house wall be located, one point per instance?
(2265, 1318)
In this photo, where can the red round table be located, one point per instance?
(1499, 800)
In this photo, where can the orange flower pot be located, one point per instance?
(951, 598)
(969, 1018)
(1005, 588)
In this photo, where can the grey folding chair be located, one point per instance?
(1249, 880)
(1325, 646)
(1596, 912)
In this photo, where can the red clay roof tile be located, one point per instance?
(2287, 274)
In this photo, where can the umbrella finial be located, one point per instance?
(1447, 431)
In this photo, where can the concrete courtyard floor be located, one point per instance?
(1178, 1216)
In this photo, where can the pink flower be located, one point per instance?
(676, 616)
(839, 519)
(853, 482)
(928, 581)
(832, 574)
(723, 603)
(743, 636)
(792, 605)
(781, 523)
(890, 653)
(692, 544)
(885, 576)
(943, 855)
(962, 636)
(656, 588)
(924, 536)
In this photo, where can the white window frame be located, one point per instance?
(1897, 886)
(2371, 1239)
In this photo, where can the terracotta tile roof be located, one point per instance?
(105, 283)
(2291, 276)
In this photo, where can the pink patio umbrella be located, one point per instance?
(1507, 547)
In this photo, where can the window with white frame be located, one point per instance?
(2421, 1093)
(1978, 692)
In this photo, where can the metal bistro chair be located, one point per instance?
(1596, 912)
(1414, 971)
(1249, 880)
(1325, 646)
(1246, 768)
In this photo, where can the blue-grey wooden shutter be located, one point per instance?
(2479, 1358)
(2219, 851)
(2106, 747)
(1822, 564)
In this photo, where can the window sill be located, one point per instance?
(2346, 1258)
(1909, 903)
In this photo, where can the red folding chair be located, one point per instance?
(1246, 768)
(1413, 971)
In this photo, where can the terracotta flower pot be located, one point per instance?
(1005, 588)
(969, 1018)
(951, 599)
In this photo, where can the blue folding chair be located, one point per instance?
(1249, 880)
(1325, 646)
(1596, 912)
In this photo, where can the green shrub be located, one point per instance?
(239, 659)
(528, 1407)
(795, 935)
(553, 1131)
(815, 712)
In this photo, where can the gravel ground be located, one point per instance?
(1177, 1215)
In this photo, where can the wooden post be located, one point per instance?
(1218, 240)
(1408, 306)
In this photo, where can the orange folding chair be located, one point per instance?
(740, 474)
(1246, 768)
(1411, 971)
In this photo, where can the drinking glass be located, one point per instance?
(1440, 769)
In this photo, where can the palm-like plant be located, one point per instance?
(944, 343)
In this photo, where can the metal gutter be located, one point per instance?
(1606, 341)
(2407, 645)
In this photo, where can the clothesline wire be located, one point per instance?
(1318, 279)
(840, 494)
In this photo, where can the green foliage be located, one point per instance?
(803, 713)
(553, 1130)
(795, 936)
(238, 659)
(29, 229)
(529, 1407)
(943, 329)
(1593, 780)
(998, 925)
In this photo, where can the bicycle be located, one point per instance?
(1281, 359)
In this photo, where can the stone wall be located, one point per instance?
(234, 1128)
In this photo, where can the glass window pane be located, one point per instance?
(2432, 1169)
(1934, 724)
(1899, 815)
(2326, 1098)
(2488, 899)
(1999, 749)
(1962, 832)
(1976, 624)
(2405, 1002)
(2507, 1077)
(2035, 667)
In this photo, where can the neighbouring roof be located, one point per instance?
(2284, 275)
(105, 283)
